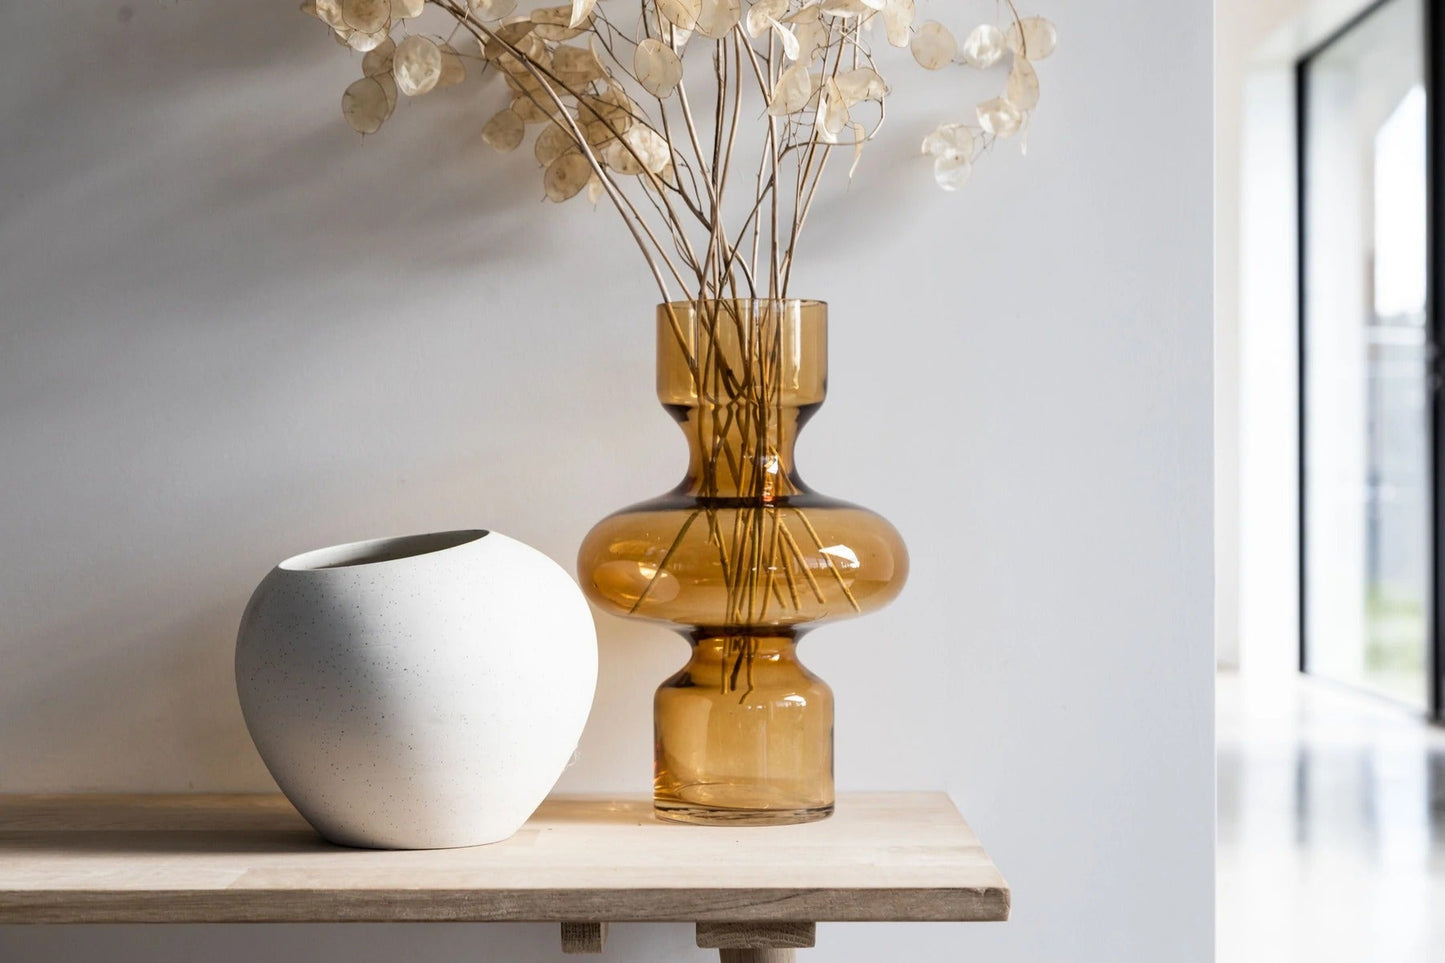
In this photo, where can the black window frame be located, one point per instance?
(1434, 72)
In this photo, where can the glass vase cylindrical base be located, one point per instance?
(700, 815)
(743, 735)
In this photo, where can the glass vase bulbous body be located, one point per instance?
(742, 558)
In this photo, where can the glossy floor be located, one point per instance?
(1331, 826)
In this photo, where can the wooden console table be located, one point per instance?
(755, 894)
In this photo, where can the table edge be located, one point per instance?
(896, 905)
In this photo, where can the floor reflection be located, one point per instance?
(1331, 826)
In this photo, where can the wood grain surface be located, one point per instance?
(199, 858)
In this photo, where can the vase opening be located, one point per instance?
(379, 550)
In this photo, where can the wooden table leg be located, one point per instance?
(759, 956)
(756, 942)
(583, 937)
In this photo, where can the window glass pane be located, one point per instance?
(1367, 455)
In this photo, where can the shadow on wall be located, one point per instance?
(231, 115)
(230, 331)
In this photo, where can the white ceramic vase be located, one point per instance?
(417, 693)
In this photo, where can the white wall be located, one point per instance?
(230, 331)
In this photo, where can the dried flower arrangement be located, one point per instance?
(787, 83)
(616, 118)
(743, 556)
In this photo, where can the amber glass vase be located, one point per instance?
(743, 558)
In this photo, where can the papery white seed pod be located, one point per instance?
(1032, 37)
(667, 176)
(577, 66)
(860, 138)
(680, 13)
(951, 171)
(832, 115)
(792, 92)
(788, 39)
(515, 32)
(364, 42)
(860, 84)
(933, 46)
(999, 117)
(842, 9)
(378, 59)
(555, 23)
(984, 46)
(566, 176)
(504, 131)
(812, 39)
(407, 9)
(388, 84)
(454, 69)
(951, 139)
(327, 11)
(1023, 85)
(535, 111)
(581, 12)
(810, 12)
(658, 69)
(820, 126)
(597, 135)
(490, 10)
(650, 146)
(605, 114)
(618, 157)
(595, 190)
(898, 21)
(552, 143)
(760, 13)
(365, 106)
(368, 16)
(716, 18)
(416, 65)
(534, 47)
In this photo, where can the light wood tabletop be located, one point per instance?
(755, 893)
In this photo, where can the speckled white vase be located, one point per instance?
(417, 693)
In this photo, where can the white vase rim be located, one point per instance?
(380, 551)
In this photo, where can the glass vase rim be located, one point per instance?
(791, 302)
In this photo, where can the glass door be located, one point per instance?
(1368, 360)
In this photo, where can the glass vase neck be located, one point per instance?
(719, 655)
(742, 377)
